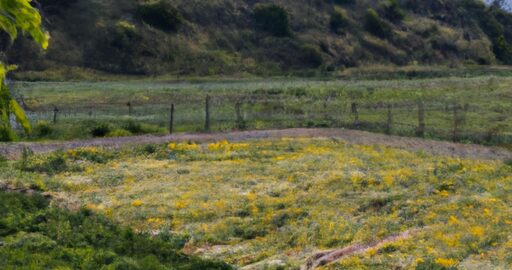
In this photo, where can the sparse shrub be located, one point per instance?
(337, 21)
(149, 149)
(133, 127)
(43, 129)
(375, 25)
(161, 15)
(393, 11)
(119, 133)
(272, 19)
(90, 154)
(52, 164)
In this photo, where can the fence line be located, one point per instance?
(247, 111)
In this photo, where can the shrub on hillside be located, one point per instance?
(337, 21)
(311, 56)
(272, 19)
(375, 25)
(161, 15)
(342, 2)
(393, 11)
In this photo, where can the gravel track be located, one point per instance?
(14, 150)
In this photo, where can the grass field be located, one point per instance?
(270, 204)
(88, 109)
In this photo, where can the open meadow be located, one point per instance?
(474, 109)
(271, 204)
(255, 135)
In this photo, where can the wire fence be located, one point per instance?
(423, 118)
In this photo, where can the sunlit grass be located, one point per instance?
(283, 199)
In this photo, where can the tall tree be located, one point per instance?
(16, 16)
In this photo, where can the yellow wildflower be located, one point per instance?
(136, 203)
(446, 262)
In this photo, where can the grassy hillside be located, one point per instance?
(273, 203)
(196, 37)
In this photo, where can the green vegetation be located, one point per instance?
(375, 25)
(35, 235)
(279, 103)
(273, 19)
(161, 15)
(241, 37)
(272, 202)
(15, 16)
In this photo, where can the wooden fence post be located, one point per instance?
(240, 121)
(389, 123)
(171, 119)
(207, 113)
(356, 114)
(420, 131)
(458, 120)
(129, 104)
(55, 112)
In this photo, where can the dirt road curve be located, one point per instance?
(13, 150)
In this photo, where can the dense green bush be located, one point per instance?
(161, 15)
(34, 235)
(375, 25)
(272, 19)
(100, 130)
(6, 134)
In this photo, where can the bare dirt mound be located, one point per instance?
(326, 257)
(14, 150)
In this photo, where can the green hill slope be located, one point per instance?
(197, 37)
(34, 235)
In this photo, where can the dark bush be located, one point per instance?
(375, 25)
(100, 130)
(133, 127)
(161, 15)
(272, 19)
(393, 11)
(6, 134)
(337, 21)
(43, 129)
(311, 56)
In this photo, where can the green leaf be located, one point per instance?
(19, 14)
(21, 117)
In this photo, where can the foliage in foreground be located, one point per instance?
(34, 235)
(277, 201)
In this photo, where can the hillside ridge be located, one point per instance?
(226, 37)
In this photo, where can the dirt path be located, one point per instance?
(326, 257)
(14, 150)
